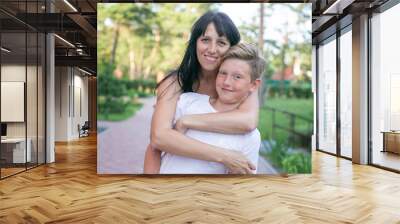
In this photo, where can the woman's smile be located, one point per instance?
(210, 58)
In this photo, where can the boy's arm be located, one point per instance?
(152, 161)
(238, 121)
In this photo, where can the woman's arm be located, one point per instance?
(241, 120)
(152, 161)
(165, 138)
(152, 158)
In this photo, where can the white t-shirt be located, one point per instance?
(194, 103)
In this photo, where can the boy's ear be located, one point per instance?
(255, 84)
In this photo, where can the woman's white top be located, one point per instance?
(194, 103)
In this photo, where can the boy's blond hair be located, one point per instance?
(249, 53)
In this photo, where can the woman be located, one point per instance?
(212, 35)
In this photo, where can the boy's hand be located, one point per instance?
(180, 126)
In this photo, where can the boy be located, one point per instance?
(238, 76)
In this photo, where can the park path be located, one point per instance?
(122, 145)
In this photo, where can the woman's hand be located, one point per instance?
(237, 163)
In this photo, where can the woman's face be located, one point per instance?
(210, 48)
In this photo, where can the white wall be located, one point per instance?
(62, 81)
(79, 117)
(13, 73)
(71, 87)
(314, 90)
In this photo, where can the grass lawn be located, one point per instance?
(129, 112)
(302, 107)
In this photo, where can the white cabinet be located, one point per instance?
(18, 149)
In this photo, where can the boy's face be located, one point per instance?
(233, 81)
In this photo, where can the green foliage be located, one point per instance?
(112, 106)
(128, 112)
(301, 107)
(291, 89)
(137, 16)
(301, 89)
(140, 84)
(297, 163)
(151, 37)
(277, 153)
(108, 84)
(141, 41)
(111, 91)
(116, 99)
(274, 88)
(287, 160)
(281, 53)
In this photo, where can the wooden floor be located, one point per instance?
(70, 191)
(387, 159)
(10, 171)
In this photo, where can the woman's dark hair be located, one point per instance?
(188, 71)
